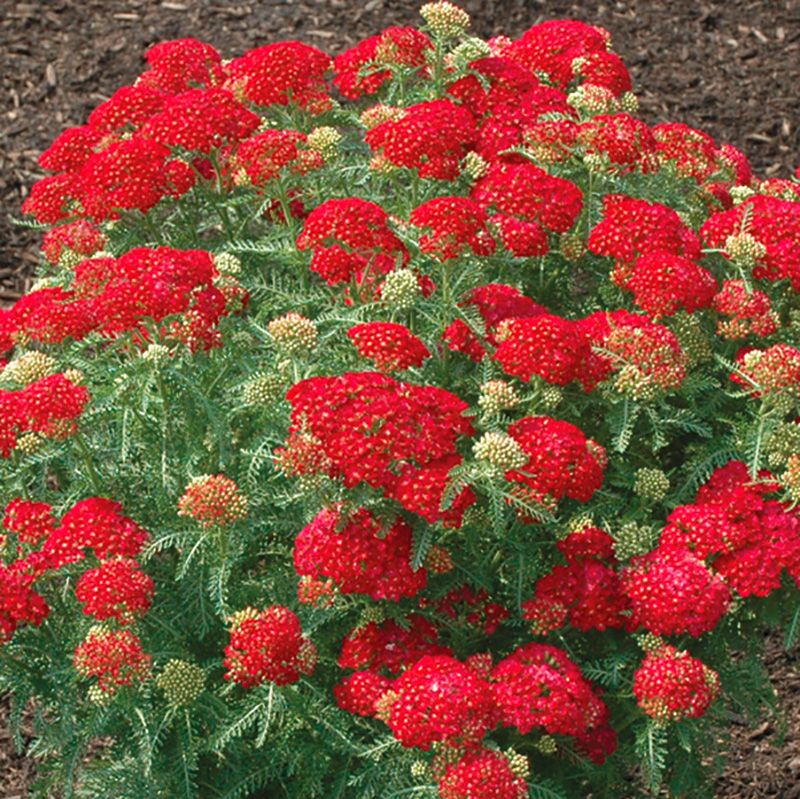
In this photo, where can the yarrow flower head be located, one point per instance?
(117, 589)
(114, 657)
(213, 500)
(390, 346)
(483, 773)
(268, 646)
(671, 685)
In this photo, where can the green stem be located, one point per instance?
(94, 478)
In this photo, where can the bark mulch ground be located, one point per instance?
(731, 68)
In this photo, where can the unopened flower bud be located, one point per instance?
(157, 354)
(500, 450)
(213, 500)
(497, 395)
(227, 263)
(744, 250)
(263, 389)
(547, 745)
(181, 681)
(29, 368)
(632, 539)
(475, 166)
(518, 764)
(293, 333)
(651, 484)
(325, 141)
(400, 289)
(445, 20)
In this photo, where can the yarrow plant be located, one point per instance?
(417, 421)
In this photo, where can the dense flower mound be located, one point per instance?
(671, 685)
(359, 555)
(440, 699)
(486, 774)
(114, 657)
(415, 419)
(268, 645)
(537, 685)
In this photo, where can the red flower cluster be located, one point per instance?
(390, 346)
(567, 49)
(631, 227)
(672, 685)
(18, 603)
(586, 593)
(116, 589)
(114, 657)
(775, 369)
(663, 283)
(626, 142)
(528, 202)
(263, 157)
(112, 296)
(369, 424)
(50, 407)
(31, 521)
(457, 226)
(747, 539)
(545, 345)
(350, 238)
(80, 239)
(213, 500)
(771, 240)
(268, 646)
(539, 686)
(440, 699)
(672, 592)
(485, 774)
(430, 137)
(97, 524)
(363, 69)
(359, 554)
(750, 312)
(280, 74)
(691, 151)
(561, 460)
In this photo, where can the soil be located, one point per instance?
(730, 67)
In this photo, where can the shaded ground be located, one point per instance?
(731, 68)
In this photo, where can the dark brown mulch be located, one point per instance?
(731, 68)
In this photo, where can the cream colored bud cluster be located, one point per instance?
(324, 140)
(547, 745)
(181, 681)
(227, 263)
(445, 20)
(400, 289)
(744, 250)
(649, 642)
(293, 333)
(263, 389)
(156, 354)
(692, 339)
(466, 52)
(475, 166)
(651, 484)
(30, 367)
(551, 396)
(632, 539)
(377, 114)
(500, 450)
(518, 764)
(497, 395)
(740, 194)
(783, 443)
